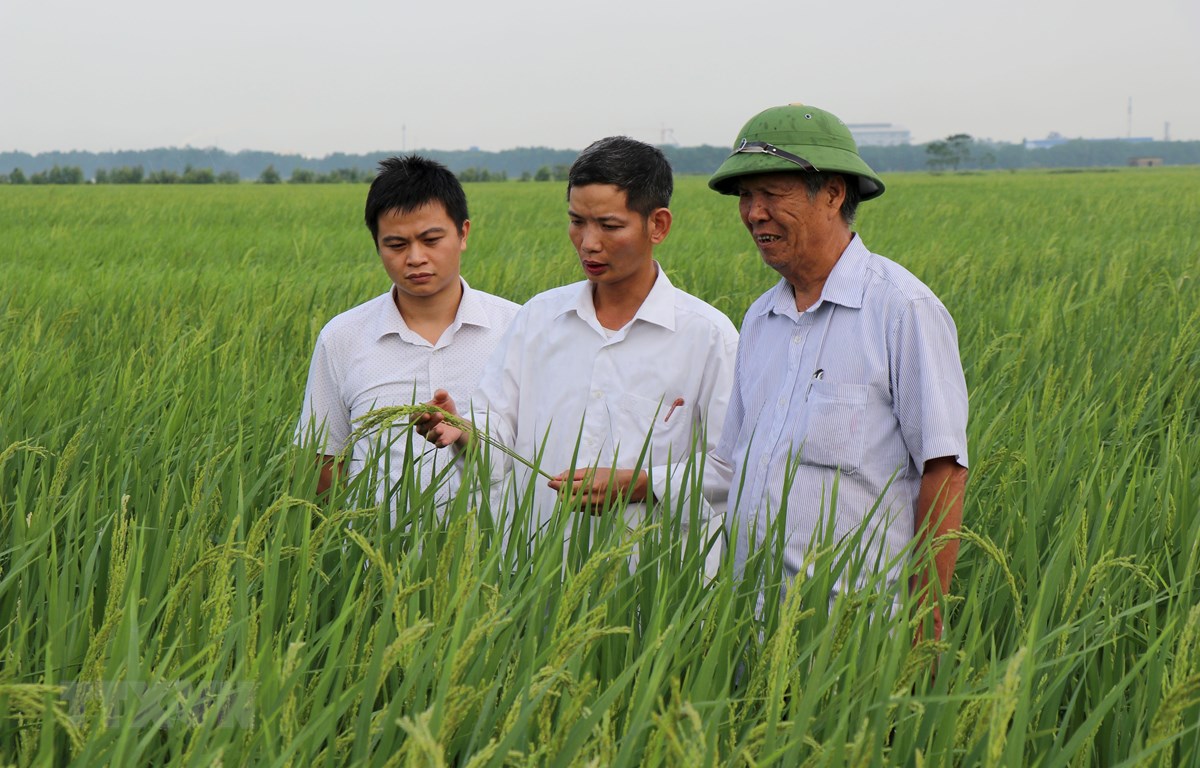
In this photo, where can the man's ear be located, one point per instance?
(466, 227)
(658, 224)
(834, 193)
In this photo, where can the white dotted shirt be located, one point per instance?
(367, 357)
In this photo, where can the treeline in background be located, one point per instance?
(191, 165)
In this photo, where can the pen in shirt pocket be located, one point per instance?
(820, 372)
(678, 402)
(818, 375)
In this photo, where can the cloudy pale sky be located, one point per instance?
(364, 75)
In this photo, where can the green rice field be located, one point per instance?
(173, 592)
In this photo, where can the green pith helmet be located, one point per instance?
(795, 138)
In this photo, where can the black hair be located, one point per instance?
(405, 184)
(814, 182)
(640, 170)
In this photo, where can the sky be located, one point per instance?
(359, 76)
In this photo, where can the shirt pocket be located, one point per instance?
(836, 431)
(634, 417)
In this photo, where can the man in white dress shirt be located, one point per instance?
(610, 360)
(848, 373)
(429, 329)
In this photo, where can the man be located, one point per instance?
(430, 326)
(609, 360)
(848, 370)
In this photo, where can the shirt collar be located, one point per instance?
(845, 284)
(848, 279)
(471, 310)
(658, 307)
(388, 319)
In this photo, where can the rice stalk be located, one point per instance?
(36, 701)
(1004, 704)
(421, 749)
(988, 547)
(387, 417)
(1181, 690)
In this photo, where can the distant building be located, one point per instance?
(1054, 139)
(879, 134)
(1145, 162)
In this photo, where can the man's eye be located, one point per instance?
(610, 227)
(431, 242)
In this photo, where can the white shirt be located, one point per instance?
(367, 357)
(559, 378)
(864, 386)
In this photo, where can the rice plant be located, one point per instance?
(172, 590)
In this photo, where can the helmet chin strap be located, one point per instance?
(763, 148)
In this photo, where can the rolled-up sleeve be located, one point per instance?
(324, 416)
(930, 400)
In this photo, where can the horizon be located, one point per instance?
(418, 150)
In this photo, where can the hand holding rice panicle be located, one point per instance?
(439, 423)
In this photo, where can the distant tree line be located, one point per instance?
(961, 152)
(336, 176)
(190, 175)
(123, 175)
(135, 174)
(54, 175)
(481, 174)
(545, 173)
(192, 165)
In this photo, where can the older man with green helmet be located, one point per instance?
(848, 374)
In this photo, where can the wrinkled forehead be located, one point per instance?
(774, 181)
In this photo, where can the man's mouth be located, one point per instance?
(764, 239)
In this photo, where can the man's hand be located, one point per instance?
(597, 489)
(332, 470)
(939, 512)
(433, 426)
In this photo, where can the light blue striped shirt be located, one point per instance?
(864, 386)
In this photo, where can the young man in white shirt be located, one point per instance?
(429, 328)
(609, 360)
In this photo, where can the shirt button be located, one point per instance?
(796, 339)
(782, 402)
(765, 460)
(597, 394)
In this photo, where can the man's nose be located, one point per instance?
(591, 240)
(755, 209)
(417, 255)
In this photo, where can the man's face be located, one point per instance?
(613, 242)
(421, 250)
(788, 227)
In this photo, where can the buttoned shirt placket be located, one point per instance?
(803, 367)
